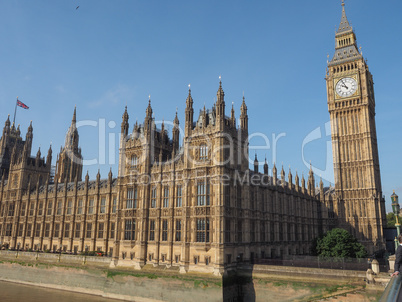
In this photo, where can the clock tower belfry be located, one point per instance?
(351, 105)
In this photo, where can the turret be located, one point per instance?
(175, 133)
(282, 177)
(220, 106)
(321, 188)
(124, 124)
(265, 167)
(256, 164)
(274, 174)
(290, 179)
(297, 182)
(311, 181)
(189, 112)
(28, 139)
(148, 122)
(49, 156)
(38, 155)
(243, 116)
(232, 117)
(110, 175)
(6, 129)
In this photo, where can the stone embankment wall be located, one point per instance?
(93, 275)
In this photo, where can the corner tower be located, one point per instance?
(351, 105)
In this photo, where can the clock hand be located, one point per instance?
(344, 85)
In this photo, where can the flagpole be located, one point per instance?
(15, 111)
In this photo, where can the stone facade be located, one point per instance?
(193, 203)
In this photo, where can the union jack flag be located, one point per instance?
(21, 104)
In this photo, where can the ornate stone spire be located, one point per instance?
(344, 26)
(256, 164)
(72, 137)
(124, 123)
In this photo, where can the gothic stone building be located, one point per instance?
(194, 204)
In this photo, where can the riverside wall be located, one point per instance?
(93, 275)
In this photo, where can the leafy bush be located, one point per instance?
(338, 243)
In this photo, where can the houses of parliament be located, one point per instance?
(195, 203)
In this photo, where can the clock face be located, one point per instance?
(346, 87)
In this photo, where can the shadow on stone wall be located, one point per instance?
(238, 286)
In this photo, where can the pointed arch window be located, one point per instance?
(203, 152)
(134, 161)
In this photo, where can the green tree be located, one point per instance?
(338, 243)
(391, 220)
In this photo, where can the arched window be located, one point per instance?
(203, 152)
(134, 161)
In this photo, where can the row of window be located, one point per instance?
(202, 230)
(203, 196)
(203, 155)
(59, 207)
(57, 232)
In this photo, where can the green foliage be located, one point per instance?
(391, 220)
(338, 243)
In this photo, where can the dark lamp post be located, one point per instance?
(396, 208)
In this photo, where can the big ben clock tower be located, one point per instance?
(351, 104)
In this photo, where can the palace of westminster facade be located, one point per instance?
(197, 205)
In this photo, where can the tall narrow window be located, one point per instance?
(239, 231)
(112, 227)
(202, 230)
(20, 229)
(203, 152)
(100, 230)
(129, 229)
(69, 207)
(31, 209)
(89, 230)
(262, 232)
(134, 161)
(37, 230)
(23, 207)
(152, 230)
(80, 205)
(29, 230)
(67, 230)
(9, 228)
(179, 196)
(59, 207)
(203, 193)
(40, 208)
(178, 230)
(166, 197)
(153, 197)
(102, 208)
(47, 230)
(135, 198)
(56, 230)
(114, 206)
(252, 231)
(11, 209)
(77, 233)
(164, 230)
(130, 198)
(91, 206)
(227, 230)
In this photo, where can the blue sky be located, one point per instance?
(107, 54)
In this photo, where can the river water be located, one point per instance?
(13, 292)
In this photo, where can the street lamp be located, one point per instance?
(396, 209)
